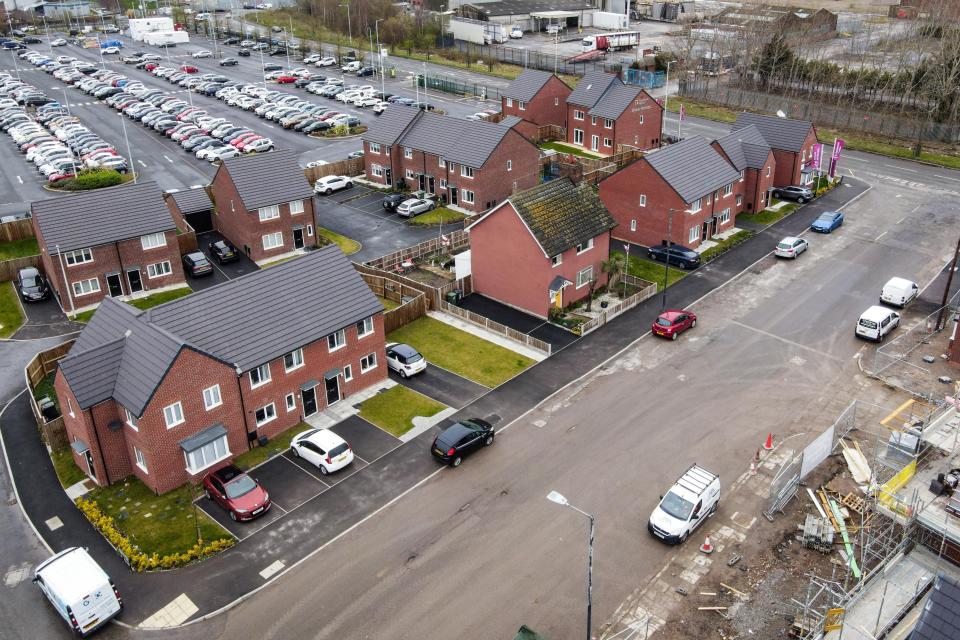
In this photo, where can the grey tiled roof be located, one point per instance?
(745, 147)
(526, 85)
(92, 375)
(511, 121)
(391, 124)
(562, 215)
(692, 168)
(92, 218)
(261, 316)
(591, 88)
(522, 7)
(192, 200)
(615, 100)
(940, 619)
(780, 133)
(265, 179)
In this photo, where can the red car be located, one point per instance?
(57, 177)
(236, 492)
(188, 68)
(244, 138)
(151, 66)
(673, 322)
(286, 79)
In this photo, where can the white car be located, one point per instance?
(328, 184)
(58, 42)
(110, 50)
(516, 32)
(351, 67)
(223, 153)
(203, 53)
(380, 107)
(151, 57)
(405, 360)
(366, 101)
(316, 163)
(323, 448)
(259, 146)
(790, 247)
(415, 206)
(326, 61)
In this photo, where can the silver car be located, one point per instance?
(415, 206)
(790, 247)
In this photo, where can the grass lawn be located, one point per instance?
(159, 298)
(725, 245)
(277, 444)
(394, 409)
(388, 304)
(461, 352)
(560, 147)
(83, 316)
(19, 248)
(650, 270)
(440, 215)
(164, 524)
(45, 388)
(11, 316)
(769, 216)
(67, 470)
(347, 245)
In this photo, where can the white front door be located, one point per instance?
(578, 136)
(595, 143)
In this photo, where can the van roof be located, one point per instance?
(876, 313)
(695, 481)
(72, 574)
(901, 283)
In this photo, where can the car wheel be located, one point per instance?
(776, 194)
(693, 324)
(206, 494)
(432, 206)
(323, 470)
(456, 461)
(293, 450)
(488, 441)
(801, 200)
(403, 374)
(233, 516)
(674, 335)
(683, 538)
(328, 192)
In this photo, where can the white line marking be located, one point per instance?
(936, 175)
(901, 219)
(893, 166)
(142, 163)
(784, 340)
(877, 239)
(325, 484)
(168, 159)
(271, 569)
(19, 179)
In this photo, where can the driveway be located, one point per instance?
(558, 337)
(221, 272)
(45, 319)
(443, 385)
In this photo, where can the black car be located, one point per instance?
(197, 264)
(676, 254)
(229, 62)
(794, 192)
(222, 251)
(300, 83)
(31, 40)
(461, 438)
(362, 72)
(244, 53)
(31, 285)
(279, 51)
(232, 41)
(272, 66)
(393, 200)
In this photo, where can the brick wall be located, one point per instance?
(638, 126)
(383, 157)
(548, 106)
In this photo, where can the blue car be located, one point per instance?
(827, 221)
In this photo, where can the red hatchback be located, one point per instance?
(286, 79)
(236, 492)
(188, 68)
(673, 322)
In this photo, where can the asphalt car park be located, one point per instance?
(516, 319)
(221, 272)
(442, 385)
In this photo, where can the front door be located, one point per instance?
(91, 470)
(333, 390)
(705, 231)
(388, 176)
(423, 182)
(595, 143)
(134, 280)
(309, 401)
(430, 185)
(114, 285)
(298, 238)
(453, 195)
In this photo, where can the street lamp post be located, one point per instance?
(558, 498)
(666, 96)
(123, 125)
(376, 26)
(349, 28)
(666, 263)
(66, 99)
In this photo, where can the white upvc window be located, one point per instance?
(509, 102)
(153, 240)
(739, 200)
(725, 216)
(296, 206)
(593, 120)
(159, 269)
(607, 123)
(86, 287)
(141, 460)
(266, 414)
(633, 225)
(269, 213)
(291, 401)
(131, 419)
(211, 397)
(80, 256)
(641, 118)
(409, 174)
(643, 199)
(336, 340)
(521, 105)
(347, 373)
(557, 260)
(466, 196)
(742, 175)
(697, 206)
(578, 136)
(374, 147)
(259, 376)
(577, 114)
(441, 162)
(293, 360)
(207, 455)
(407, 153)
(173, 414)
(377, 170)
(693, 235)
(273, 241)
(368, 362)
(768, 171)
(443, 183)
(728, 190)
(509, 165)
(466, 172)
(309, 229)
(608, 142)
(585, 246)
(70, 408)
(584, 276)
(365, 327)
(556, 102)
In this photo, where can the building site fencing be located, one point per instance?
(544, 60)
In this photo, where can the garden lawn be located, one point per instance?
(463, 353)
(67, 470)
(83, 316)
(560, 147)
(347, 245)
(45, 388)
(159, 298)
(19, 248)
(393, 410)
(769, 216)
(276, 445)
(440, 215)
(11, 315)
(726, 245)
(387, 303)
(164, 524)
(651, 270)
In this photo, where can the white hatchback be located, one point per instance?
(323, 448)
(790, 247)
(328, 184)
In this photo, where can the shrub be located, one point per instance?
(93, 179)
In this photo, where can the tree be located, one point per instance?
(774, 57)
(614, 268)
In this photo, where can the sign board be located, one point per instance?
(816, 452)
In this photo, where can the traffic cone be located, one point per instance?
(768, 445)
(753, 469)
(707, 546)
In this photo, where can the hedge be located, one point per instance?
(92, 179)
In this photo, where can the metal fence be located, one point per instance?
(644, 79)
(534, 59)
(500, 329)
(455, 87)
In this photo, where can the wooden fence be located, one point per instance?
(647, 290)
(187, 241)
(456, 240)
(549, 133)
(348, 167)
(413, 301)
(16, 230)
(43, 364)
(9, 268)
(495, 327)
(405, 313)
(591, 170)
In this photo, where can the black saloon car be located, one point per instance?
(196, 264)
(31, 285)
(462, 438)
(393, 200)
(222, 251)
(799, 194)
(676, 254)
(244, 53)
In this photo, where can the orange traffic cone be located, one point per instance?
(706, 547)
(768, 445)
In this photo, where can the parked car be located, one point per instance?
(798, 193)
(876, 322)
(461, 438)
(189, 68)
(328, 184)
(405, 360)
(237, 492)
(414, 206)
(272, 66)
(355, 154)
(197, 264)
(516, 32)
(673, 322)
(364, 72)
(222, 251)
(790, 247)
(244, 53)
(393, 200)
(31, 285)
(323, 448)
(202, 53)
(827, 221)
(326, 61)
(688, 504)
(675, 254)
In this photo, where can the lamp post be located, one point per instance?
(349, 28)
(376, 26)
(666, 264)
(123, 125)
(558, 498)
(666, 96)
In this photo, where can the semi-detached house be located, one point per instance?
(538, 98)
(792, 143)
(605, 116)
(118, 242)
(171, 393)
(468, 164)
(751, 155)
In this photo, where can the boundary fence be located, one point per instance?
(39, 367)
(455, 240)
(413, 302)
(534, 59)
(496, 327)
(647, 290)
(16, 230)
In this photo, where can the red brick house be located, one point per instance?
(541, 248)
(683, 194)
(171, 393)
(119, 242)
(749, 154)
(604, 114)
(471, 165)
(792, 143)
(538, 98)
(263, 204)
(193, 206)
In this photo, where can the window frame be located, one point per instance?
(643, 200)
(150, 237)
(86, 255)
(578, 115)
(296, 365)
(633, 224)
(152, 267)
(300, 204)
(178, 407)
(509, 165)
(262, 380)
(372, 357)
(581, 249)
(266, 419)
(341, 341)
(468, 196)
(697, 205)
(377, 170)
(78, 294)
(556, 260)
(290, 406)
(466, 172)
(362, 330)
(130, 419)
(188, 457)
(728, 190)
(607, 123)
(347, 373)
(218, 402)
(374, 147)
(581, 281)
(269, 213)
(521, 105)
(140, 460)
(408, 153)
(270, 236)
(693, 234)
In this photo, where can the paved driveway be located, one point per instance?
(221, 272)
(443, 385)
(558, 337)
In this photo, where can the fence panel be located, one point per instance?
(16, 230)
(346, 167)
(495, 327)
(648, 291)
(38, 368)
(405, 313)
(9, 268)
(545, 60)
(455, 240)
(187, 242)
(431, 292)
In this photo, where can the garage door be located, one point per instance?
(200, 221)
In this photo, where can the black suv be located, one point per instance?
(800, 194)
(393, 200)
(31, 285)
(462, 438)
(676, 254)
(222, 251)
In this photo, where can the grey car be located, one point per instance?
(794, 192)
(414, 207)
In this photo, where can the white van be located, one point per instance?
(899, 292)
(81, 592)
(876, 322)
(694, 498)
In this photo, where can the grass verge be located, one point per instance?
(394, 409)
(463, 353)
(440, 215)
(277, 444)
(11, 315)
(19, 248)
(725, 245)
(155, 299)
(769, 216)
(650, 270)
(347, 245)
(67, 470)
(388, 304)
(560, 147)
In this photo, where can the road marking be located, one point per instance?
(168, 159)
(785, 341)
(19, 179)
(142, 163)
(936, 175)
(325, 484)
(172, 615)
(271, 569)
(54, 523)
(901, 219)
(893, 166)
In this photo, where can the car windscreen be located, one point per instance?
(337, 450)
(825, 217)
(240, 487)
(663, 322)
(676, 506)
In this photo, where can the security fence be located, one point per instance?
(644, 79)
(534, 59)
(455, 87)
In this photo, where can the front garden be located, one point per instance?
(11, 315)
(394, 410)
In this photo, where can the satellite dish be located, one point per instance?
(781, 114)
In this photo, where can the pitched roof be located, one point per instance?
(692, 168)
(526, 85)
(191, 200)
(745, 147)
(264, 179)
(92, 218)
(940, 619)
(781, 133)
(561, 214)
(615, 100)
(521, 7)
(511, 121)
(591, 88)
(390, 125)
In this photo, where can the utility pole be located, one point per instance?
(946, 289)
(376, 26)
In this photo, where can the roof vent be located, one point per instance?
(126, 334)
(589, 85)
